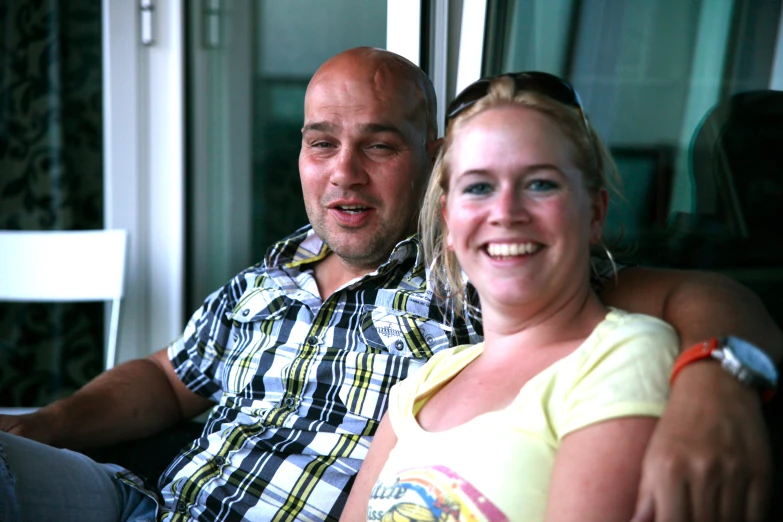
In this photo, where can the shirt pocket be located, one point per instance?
(260, 304)
(402, 333)
(257, 322)
(397, 343)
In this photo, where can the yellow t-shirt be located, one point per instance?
(498, 465)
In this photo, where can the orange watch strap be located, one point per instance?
(695, 353)
(701, 351)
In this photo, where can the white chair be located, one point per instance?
(65, 266)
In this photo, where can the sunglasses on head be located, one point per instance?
(531, 81)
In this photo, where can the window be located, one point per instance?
(680, 91)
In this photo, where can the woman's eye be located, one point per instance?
(542, 185)
(478, 189)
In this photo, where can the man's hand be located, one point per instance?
(36, 426)
(135, 399)
(709, 458)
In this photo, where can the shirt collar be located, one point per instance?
(304, 246)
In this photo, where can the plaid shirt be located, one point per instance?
(300, 383)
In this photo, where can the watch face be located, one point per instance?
(753, 359)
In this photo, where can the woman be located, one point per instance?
(549, 417)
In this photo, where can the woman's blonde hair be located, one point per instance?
(591, 157)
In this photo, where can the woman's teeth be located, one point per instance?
(511, 249)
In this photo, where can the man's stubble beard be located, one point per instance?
(377, 247)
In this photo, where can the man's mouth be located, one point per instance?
(351, 209)
(506, 250)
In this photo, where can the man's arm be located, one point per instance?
(709, 457)
(698, 305)
(133, 400)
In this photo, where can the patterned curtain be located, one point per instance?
(50, 179)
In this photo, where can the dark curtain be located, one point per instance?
(50, 179)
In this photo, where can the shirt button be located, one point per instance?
(288, 402)
(220, 461)
(398, 345)
(182, 507)
(312, 340)
(246, 312)
(429, 339)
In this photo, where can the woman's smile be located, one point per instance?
(517, 210)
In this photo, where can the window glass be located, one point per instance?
(290, 47)
(51, 178)
(249, 66)
(680, 91)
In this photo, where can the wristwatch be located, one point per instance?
(747, 363)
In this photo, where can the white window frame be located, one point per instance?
(457, 50)
(403, 28)
(143, 137)
(776, 79)
(144, 142)
(471, 42)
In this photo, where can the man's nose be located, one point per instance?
(349, 169)
(508, 208)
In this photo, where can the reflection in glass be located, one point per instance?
(250, 62)
(51, 178)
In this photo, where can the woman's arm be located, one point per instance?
(712, 441)
(382, 444)
(597, 471)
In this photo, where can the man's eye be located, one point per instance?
(478, 189)
(321, 145)
(542, 185)
(380, 146)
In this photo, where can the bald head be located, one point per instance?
(369, 142)
(392, 76)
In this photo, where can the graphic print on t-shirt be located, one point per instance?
(433, 493)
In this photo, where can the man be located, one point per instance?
(299, 352)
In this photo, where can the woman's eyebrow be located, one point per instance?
(530, 169)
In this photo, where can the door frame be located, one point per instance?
(143, 143)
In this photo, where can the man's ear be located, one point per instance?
(598, 208)
(433, 148)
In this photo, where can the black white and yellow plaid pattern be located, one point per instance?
(300, 384)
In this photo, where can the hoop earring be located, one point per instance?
(611, 260)
(441, 290)
(435, 275)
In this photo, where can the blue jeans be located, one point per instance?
(40, 483)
